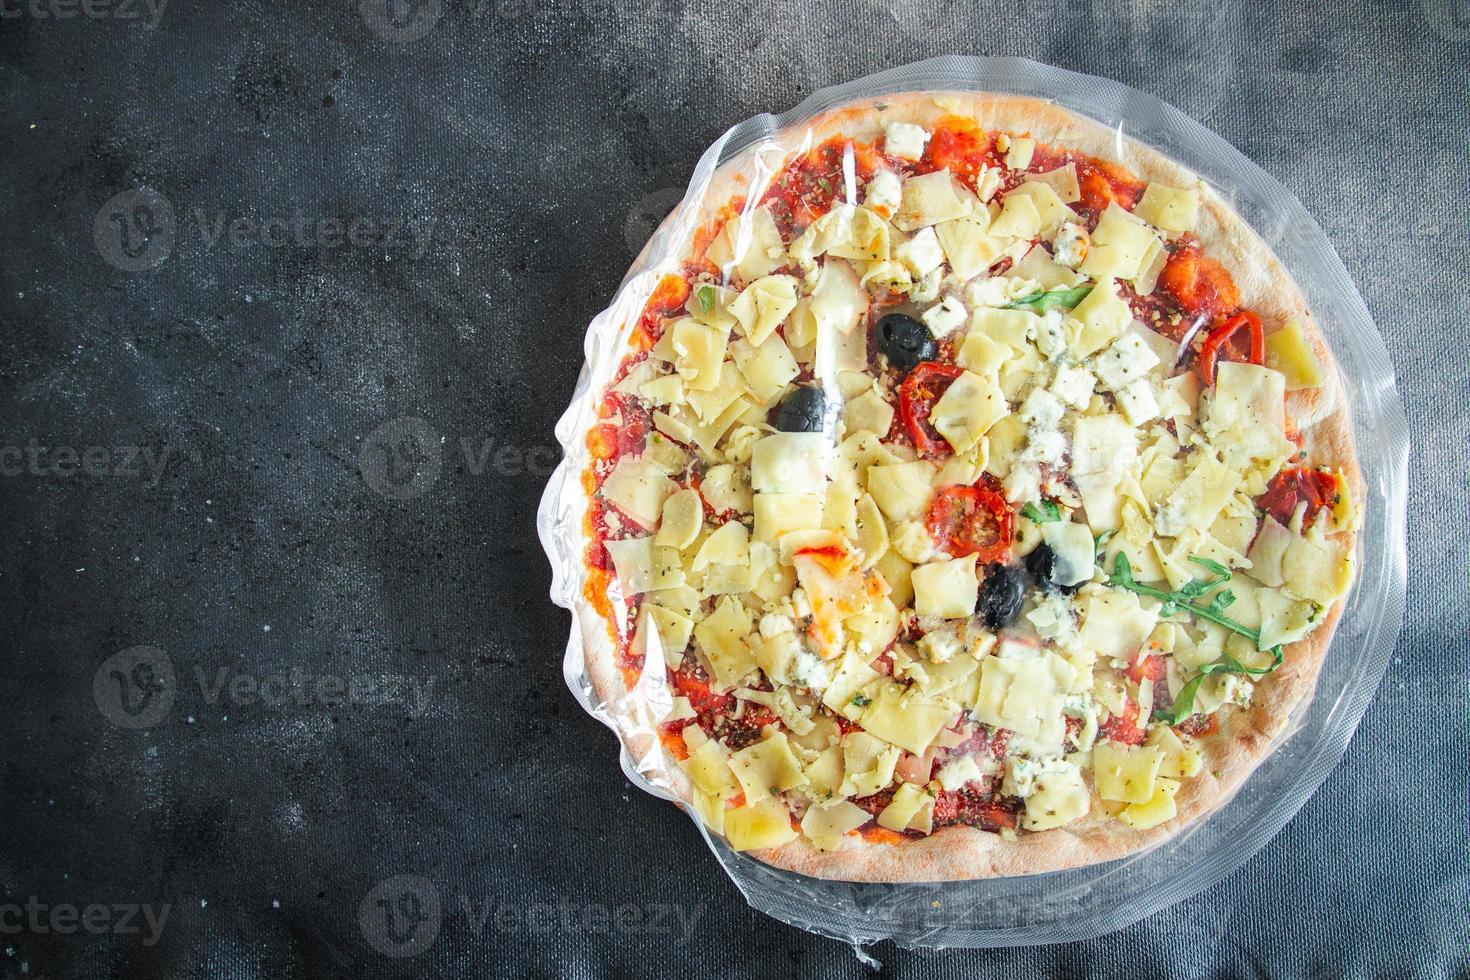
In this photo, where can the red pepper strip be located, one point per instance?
(1217, 338)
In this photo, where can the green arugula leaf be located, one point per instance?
(1122, 577)
(706, 296)
(1183, 705)
(1214, 611)
(1049, 299)
(1046, 513)
(1101, 544)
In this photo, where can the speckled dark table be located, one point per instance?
(254, 668)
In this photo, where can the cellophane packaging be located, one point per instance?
(1089, 901)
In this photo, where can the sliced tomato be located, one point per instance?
(1153, 667)
(967, 520)
(1290, 487)
(1124, 727)
(924, 386)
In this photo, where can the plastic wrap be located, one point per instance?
(1088, 901)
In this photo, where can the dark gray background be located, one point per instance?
(541, 139)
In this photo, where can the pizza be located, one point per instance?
(974, 495)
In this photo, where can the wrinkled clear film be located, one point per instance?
(1090, 901)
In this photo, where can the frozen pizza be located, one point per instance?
(975, 496)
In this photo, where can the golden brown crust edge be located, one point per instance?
(1246, 736)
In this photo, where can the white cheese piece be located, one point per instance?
(767, 368)
(1018, 155)
(1073, 386)
(904, 140)
(778, 514)
(1284, 620)
(699, 352)
(1073, 551)
(790, 462)
(1318, 569)
(1137, 401)
(683, 516)
(643, 567)
(959, 772)
(945, 317)
(1097, 320)
(902, 490)
(967, 410)
(1018, 218)
(1104, 451)
(946, 589)
(1051, 210)
(1125, 361)
(826, 825)
(728, 545)
(869, 411)
(1120, 242)
(981, 354)
(749, 246)
(767, 768)
(1114, 624)
(638, 487)
(906, 720)
(1063, 180)
(1058, 797)
(662, 632)
(1159, 807)
(1197, 501)
(721, 638)
(1169, 208)
(763, 306)
(1125, 773)
(932, 198)
(1021, 689)
(883, 193)
(838, 301)
(759, 826)
(968, 246)
(921, 253)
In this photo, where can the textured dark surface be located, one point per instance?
(539, 140)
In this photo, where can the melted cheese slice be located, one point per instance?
(932, 198)
(1022, 690)
(790, 462)
(749, 245)
(946, 589)
(909, 721)
(1169, 208)
(643, 567)
(763, 306)
(1125, 773)
(967, 410)
(1195, 503)
(766, 768)
(1058, 798)
(826, 825)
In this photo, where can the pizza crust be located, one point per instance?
(1245, 736)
